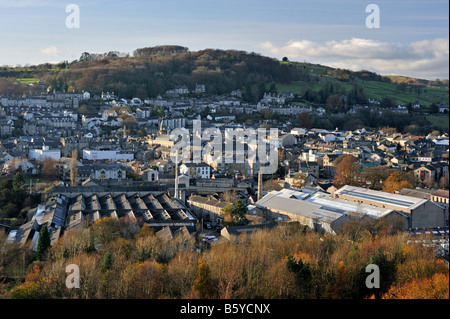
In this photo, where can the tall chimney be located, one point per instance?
(260, 188)
(176, 176)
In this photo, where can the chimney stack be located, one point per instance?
(260, 188)
(176, 176)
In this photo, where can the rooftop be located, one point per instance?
(401, 201)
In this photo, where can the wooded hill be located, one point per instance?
(152, 71)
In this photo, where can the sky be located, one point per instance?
(412, 38)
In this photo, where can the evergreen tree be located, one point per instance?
(302, 273)
(43, 242)
(239, 212)
(106, 262)
(18, 182)
(387, 272)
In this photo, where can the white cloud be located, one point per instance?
(51, 51)
(425, 59)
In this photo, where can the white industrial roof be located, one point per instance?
(342, 206)
(298, 207)
(290, 193)
(318, 205)
(402, 201)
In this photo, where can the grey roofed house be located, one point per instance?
(168, 232)
(165, 233)
(53, 214)
(93, 203)
(60, 213)
(232, 232)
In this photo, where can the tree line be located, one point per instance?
(153, 71)
(118, 259)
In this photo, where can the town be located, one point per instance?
(83, 157)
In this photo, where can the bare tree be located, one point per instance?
(229, 196)
(74, 168)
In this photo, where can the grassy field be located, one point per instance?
(429, 92)
(27, 80)
(427, 96)
(440, 121)
(377, 90)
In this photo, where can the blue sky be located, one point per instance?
(412, 40)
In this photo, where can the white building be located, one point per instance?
(108, 171)
(111, 156)
(194, 171)
(44, 153)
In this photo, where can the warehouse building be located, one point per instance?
(77, 207)
(314, 216)
(320, 210)
(422, 213)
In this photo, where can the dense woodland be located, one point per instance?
(117, 259)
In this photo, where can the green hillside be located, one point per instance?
(401, 90)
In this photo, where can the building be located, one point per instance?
(6, 127)
(208, 207)
(440, 196)
(196, 170)
(76, 207)
(309, 167)
(322, 211)
(108, 171)
(421, 213)
(44, 153)
(112, 156)
(286, 140)
(151, 175)
(200, 88)
(287, 205)
(17, 164)
(232, 233)
(330, 165)
(163, 140)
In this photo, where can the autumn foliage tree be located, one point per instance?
(434, 287)
(287, 261)
(397, 181)
(347, 172)
(235, 213)
(304, 120)
(204, 285)
(31, 287)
